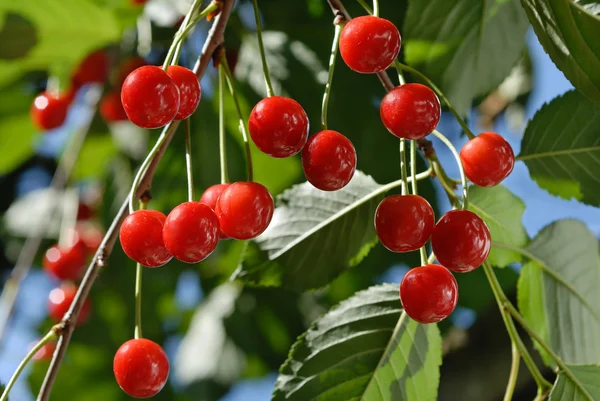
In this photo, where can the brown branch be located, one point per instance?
(214, 40)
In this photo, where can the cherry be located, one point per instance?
(210, 197)
(84, 211)
(150, 97)
(111, 108)
(142, 240)
(191, 232)
(127, 67)
(487, 159)
(60, 300)
(410, 111)
(245, 210)
(139, 2)
(461, 241)
(329, 160)
(369, 44)
(404, 222)
(49, 111)
(45, 353)
(65, 263)
(278, 126)
(189, 90)
(429, 293)
(89, 236)
(93, 69)
(141, 368)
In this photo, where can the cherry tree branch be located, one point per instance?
(66, 326)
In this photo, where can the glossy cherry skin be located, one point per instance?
(150, 97)
(429, 293)
(93, 69)
(65, 263)
(329, 160)
(142, 240)
(111, 108)
(245, 210)
(461, 241)
(404, 222)
(210, 198)
(60, 300)
(278, 126)
(369, 44)
(49, 111)
(189, 90)
(191, 232)
(410, 111)
(487, 159)
(141, 368)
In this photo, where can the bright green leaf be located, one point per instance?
(16, 134)
(565, 389)
(363, 349)
(96, 152)
(561, 148)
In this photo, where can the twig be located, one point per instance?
(214, 40)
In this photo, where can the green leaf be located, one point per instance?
(363, 349)
(307, 222)
(16, 134)
(561, 148)
(96, 153)
(568, 31)
(565, 389)
(467, 47)
(558, 291)
(17, 35)
(502, 211)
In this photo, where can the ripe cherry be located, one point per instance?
(278, 126)
(60, 300)
(410, 111)
(90, 236)
(142, 240)
(111, 108)
(65, 263)
(191, 232)
(210, 198)
(487, 159)
(49, 111)
(150, 97)
(45, 353)
(189, 90)
(369, 44)
(461, 241)
(93, 69)
(141, 368)
(329, 160)
(404, 222)
(429, 293)
(245, 210)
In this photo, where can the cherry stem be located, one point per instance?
(376, 8)
(188, 160)
(137, 333)
(514, 373)
(222, 144)
(415, 188)
(69, 217)
(403, 169)
(45, 340)
(461, 170)
(332, 58)
(437, 90)
(367, 7)
(261, 46)
(229, 77)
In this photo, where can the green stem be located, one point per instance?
(261, 46)
(138, 301)
(460, 120)
(415, 188)
(45, 340)
(431, 258)
(332, 57)
(461, 170)
(186, 22)
(403, 167)
(229, 78)
(364, 5)
(514, 373)
(441, 175)
(222, 144)
(376, 8)
(188, 160)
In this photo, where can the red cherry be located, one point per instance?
(429, 293)
(90, 236)
(191, 232)
(49, 111)
(142, 240)
(461, 241)
(210, 197)
(150, 97)
(487, 159)
(404, 222)
(45, 353)
(329, 160)
(245, 210)
(60, 300)
(139, 2)
(278, 126)
(369, 44)
(93, 69)
(141, 368)
(111, 108)
(189, 90)
(410, 111)
(127, 67)
(65, 263)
